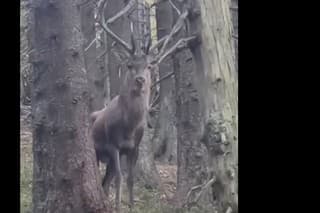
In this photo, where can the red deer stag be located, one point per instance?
(118, 128)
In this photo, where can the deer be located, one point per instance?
(118, 128)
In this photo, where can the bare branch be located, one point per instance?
(181, 44)
(165, 39)
(202, 188)
(176, 28)
(158, 44)
(122, 12)
(124, 44)
(154, 102)
(175, 7)
(114, 36)
(161, 79)
(156, 3)
(92, 42)
(229, 210)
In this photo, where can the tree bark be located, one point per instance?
(25, 66)
(65, 174)
(207, 111)
(95, 66)
(221, 103)
(165, 138)
(122, 28)
(146, 168)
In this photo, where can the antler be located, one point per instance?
(105, 27)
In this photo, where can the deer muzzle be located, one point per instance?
(140, 80)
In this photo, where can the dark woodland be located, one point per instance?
(129, 106)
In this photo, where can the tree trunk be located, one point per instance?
(221, 103)
(146, 171)
(25, 66)
(65, 174)
(95, 66)
(207, 111)
(122, 28)
(234, 11)
(165, 139)
(146, 168)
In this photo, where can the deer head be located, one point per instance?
(138, 65)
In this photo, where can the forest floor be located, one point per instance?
(146, 201)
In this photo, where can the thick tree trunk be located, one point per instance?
(65, 175)
(207, 111)
(220, 78)
(165, 138)
(191, 153)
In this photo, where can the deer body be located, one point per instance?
(118, 128)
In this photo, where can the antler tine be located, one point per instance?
(105, 27)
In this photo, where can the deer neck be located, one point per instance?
(133, 109)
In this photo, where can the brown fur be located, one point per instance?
(118, 128)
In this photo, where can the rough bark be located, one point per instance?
(213, 92)
(165, 138)
(94, 66)
(146, 171)
(221, 103)
(191, 153)
(65, 175)
(234, 12)
(25, 66)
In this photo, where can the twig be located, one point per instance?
(122, 12)
(229, 210)
(154, 102)
(161, 79)
(174, 7)
(92, 42)
(159, 43)
(105, 27)
(176, 28)
(202, 188)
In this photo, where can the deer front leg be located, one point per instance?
(110, 171)
(116, 157)
(131, 162)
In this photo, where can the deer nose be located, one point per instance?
(141, 80)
